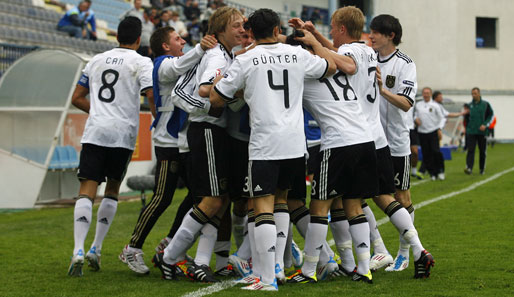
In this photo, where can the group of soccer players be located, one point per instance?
(229, 121)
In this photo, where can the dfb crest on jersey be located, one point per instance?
(430, 109)
(390, 79)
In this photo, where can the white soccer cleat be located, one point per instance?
(77, 261)
(441, 176)
(134, 260)
(400, 263)
(297, 255)
(324, 271)
(260, 286)
(240, 265)
(162, 245)
(250, 279)
(380, 260)
(93, 258)
(279, 275)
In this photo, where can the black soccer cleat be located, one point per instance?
(423, 265)
(300, 278)
(201, 273)
(343, 272)
(168, 270)
(368, 278)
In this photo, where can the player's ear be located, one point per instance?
(392, 35)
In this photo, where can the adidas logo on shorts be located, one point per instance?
(271, 249)
(257, 188)
(281, 234)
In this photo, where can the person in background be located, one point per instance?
(179, 25)
(480, 116)
(164, 19)
(438, 98)
(146, 32)
(75, 21)
(134, 11)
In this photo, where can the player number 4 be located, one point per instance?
(284, 87)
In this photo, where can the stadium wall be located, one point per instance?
(440, 36)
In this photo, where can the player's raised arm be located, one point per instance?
(319, 50)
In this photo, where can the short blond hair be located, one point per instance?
(221, 18)
(352, 18)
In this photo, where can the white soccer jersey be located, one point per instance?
(215, 62)
(272, 76)
(168, 73)
(430, 115)
(364, 82)
(115, 80)
(399, 77)
(334, 103)
(445, 113)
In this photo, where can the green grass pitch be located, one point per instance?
(471, 236)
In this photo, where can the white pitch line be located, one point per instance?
(228, 284)
(419, 182)
(212, 288)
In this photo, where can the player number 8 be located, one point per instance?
(109, 86)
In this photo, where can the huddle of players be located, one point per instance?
(362, 146)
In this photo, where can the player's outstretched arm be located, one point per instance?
(399, 101)
(79, 100)
(309, 26)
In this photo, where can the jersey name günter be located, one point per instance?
(115, 79)
(399, 77)
(272, 76)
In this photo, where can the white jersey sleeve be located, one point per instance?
(407, 82)
(182, 94)
(443, 113)
(144, 74)
(173, 67)
(314, 67)
(215, 65)
(232, 82)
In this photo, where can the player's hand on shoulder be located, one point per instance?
(208, 42)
